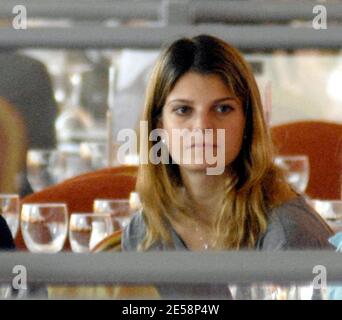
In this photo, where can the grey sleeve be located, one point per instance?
(295, 226)
(134, 233)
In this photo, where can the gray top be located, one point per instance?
(292, 226)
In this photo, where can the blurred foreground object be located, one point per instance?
(331, 212)
(296, 170)
(26, 84)
(12, 145)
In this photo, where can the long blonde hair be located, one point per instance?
(257, 185)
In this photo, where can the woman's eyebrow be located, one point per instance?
(191, 101)
(225, 98)
(179, 100)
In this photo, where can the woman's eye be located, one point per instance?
(225, 108)
(183, 110)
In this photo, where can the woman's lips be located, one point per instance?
(203, 145)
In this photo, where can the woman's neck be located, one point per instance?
(205, 193)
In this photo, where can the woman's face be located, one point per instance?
(196, 103)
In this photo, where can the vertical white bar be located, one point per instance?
(109, 115)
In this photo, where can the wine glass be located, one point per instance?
(87, 230)
(331, 212)
(131, 159)
(134, 201)
(9, 206)
(38, 168)
(44, 226)
(289, 291)
(66, 163)
(119, 210)
(93, 154)
(74, 120)
(296, 169)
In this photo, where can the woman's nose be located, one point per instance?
(203, 121)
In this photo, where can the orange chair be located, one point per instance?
(79, 193)
(121, 170)
(322, 143)
(13, 147)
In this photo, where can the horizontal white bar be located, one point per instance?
(243, 37)
(199, 11)
(172, 267)
(85, 10)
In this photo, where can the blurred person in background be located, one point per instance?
(26, 84)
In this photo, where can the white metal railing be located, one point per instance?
(243, 37)
(197, 11)
(175, 18)
(172, 267)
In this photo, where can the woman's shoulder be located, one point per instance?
(295, 225)
(134, 232)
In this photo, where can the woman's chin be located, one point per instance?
(199, 167)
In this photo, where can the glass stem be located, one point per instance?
(75, 97)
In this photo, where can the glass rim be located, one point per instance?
(89, 143)
(292, 157)
(45, 204)
(89, 214)
(41, 150)
(121, 200)
(9, 195)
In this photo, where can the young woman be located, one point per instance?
(200, 84)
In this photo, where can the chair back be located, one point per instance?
(79, 193)
(322, 143)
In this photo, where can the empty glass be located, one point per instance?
(9, 209)
(296, 169)
(44, 226)
(290, 291)
(119, 210)
(87, 230)
(331, 212)
(74, 120)
(66, 163)
(94, 154)
(134, 201)
(38, 168)
(130, 160)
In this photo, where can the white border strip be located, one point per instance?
(172, 267)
